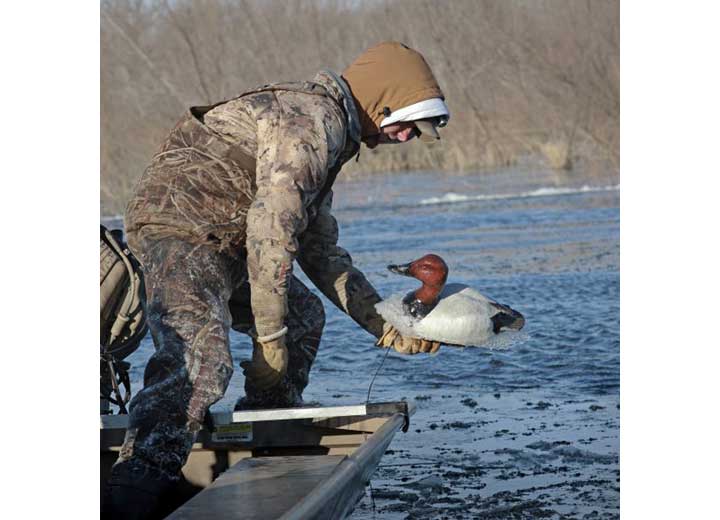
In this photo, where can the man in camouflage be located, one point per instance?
(239, 191)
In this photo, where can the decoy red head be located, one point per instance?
(432, 271)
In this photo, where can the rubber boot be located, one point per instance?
(135, 492)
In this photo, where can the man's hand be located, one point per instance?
(269, 363)
(392, 338)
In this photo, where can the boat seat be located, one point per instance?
(259, 488)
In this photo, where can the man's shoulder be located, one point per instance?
(319, 107)
(290, 100)
(259, 102)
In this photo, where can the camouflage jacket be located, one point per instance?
(251, 176)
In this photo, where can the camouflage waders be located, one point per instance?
(195, 295)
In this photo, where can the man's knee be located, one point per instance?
(315, 312)
(310, 319)
(307, 313)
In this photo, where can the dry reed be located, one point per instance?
(527, 81)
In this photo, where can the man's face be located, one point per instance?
(392, 134)
(397, 133)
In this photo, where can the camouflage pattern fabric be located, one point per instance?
(191, 306)
(305, 322)
(248, 179)
(188, 287)
(331, 269)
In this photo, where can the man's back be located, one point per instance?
(201, 183)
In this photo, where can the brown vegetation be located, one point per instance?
(526, 80)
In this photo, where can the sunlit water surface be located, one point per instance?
(526, 432)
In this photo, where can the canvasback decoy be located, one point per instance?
(453, 314)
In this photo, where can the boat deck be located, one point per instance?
(300, 463)
(265, 487)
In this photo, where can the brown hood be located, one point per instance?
(392, 75)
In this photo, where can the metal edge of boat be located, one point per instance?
(349, 478)
(281, 414)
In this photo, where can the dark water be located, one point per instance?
(528, 432)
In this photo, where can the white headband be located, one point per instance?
(432, 107)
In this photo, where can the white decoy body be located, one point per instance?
(453, 314)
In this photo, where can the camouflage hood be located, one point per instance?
(386, 78)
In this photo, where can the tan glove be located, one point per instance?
(269, 363)
(392, 338)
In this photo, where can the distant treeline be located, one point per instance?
(527, 81)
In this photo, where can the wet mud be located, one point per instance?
(510, 461)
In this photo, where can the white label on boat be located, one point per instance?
(235, 432)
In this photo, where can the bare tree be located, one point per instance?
(526, 80)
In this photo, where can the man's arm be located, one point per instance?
(330, 268)
(291, 166)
